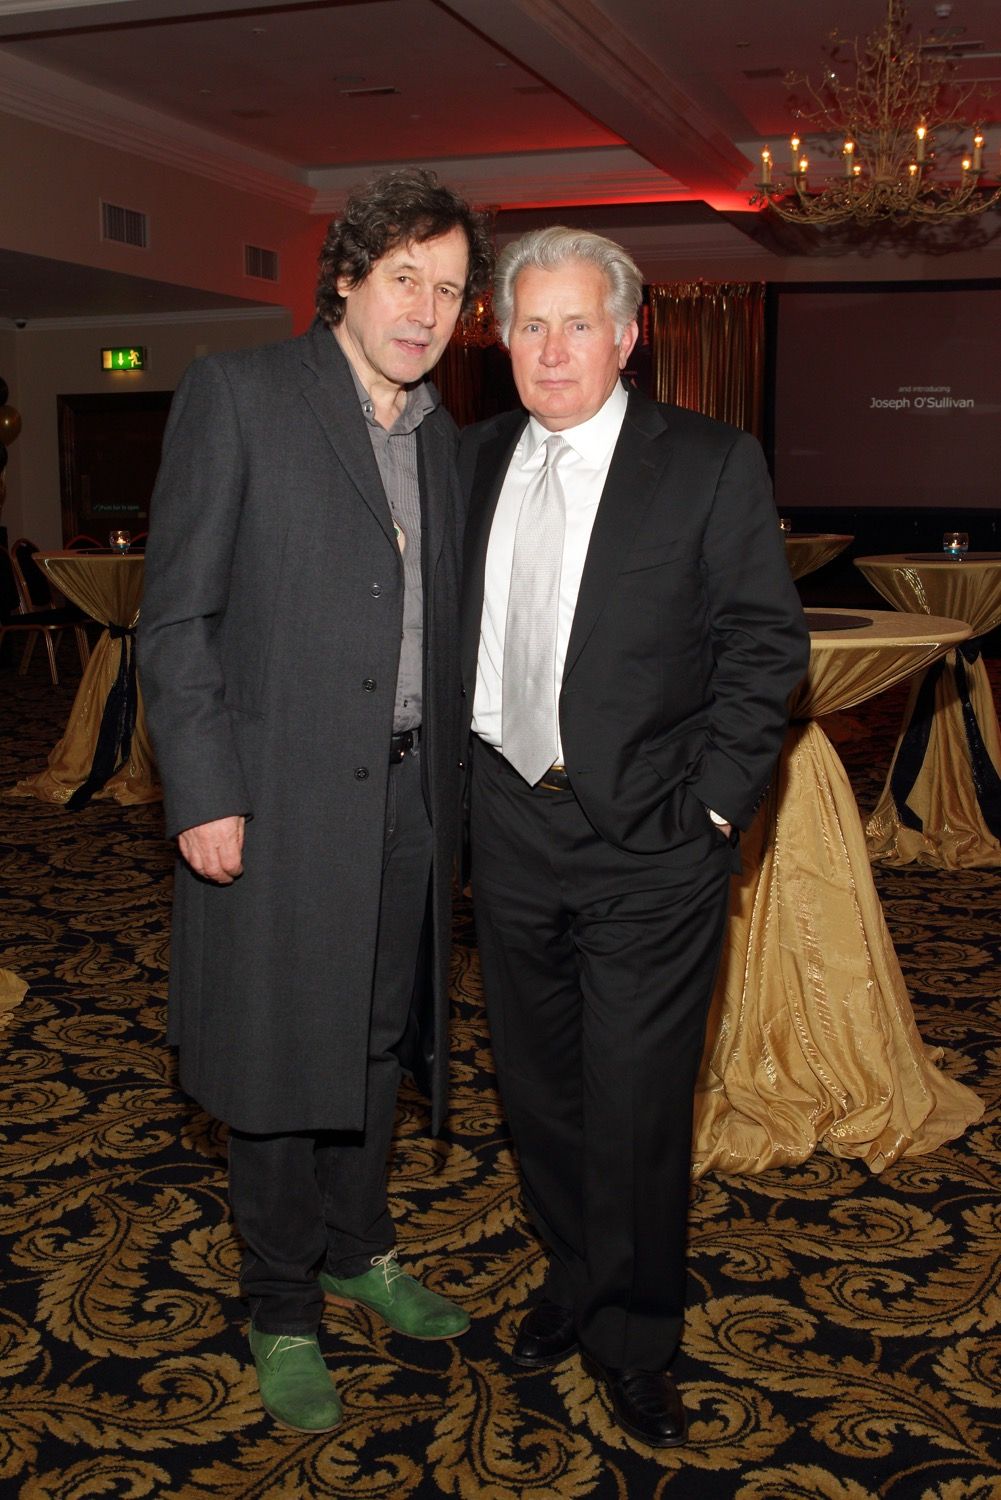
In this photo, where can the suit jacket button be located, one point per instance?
(369, 684)
(375, 590)
(361, 773)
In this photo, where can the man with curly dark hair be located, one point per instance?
(298, 652)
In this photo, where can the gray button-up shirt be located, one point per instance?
(395, 452)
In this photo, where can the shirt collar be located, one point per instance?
(592, 440)
(421, 399)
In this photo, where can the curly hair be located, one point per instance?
(401, 207)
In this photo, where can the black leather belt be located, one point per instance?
(404, 743)
(554, 780)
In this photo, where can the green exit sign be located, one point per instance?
(130, 357)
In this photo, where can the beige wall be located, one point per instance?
(50, 362)
(51, 186)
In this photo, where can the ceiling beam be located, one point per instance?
(579, 49)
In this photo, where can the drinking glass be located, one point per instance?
(955, 544)
(785, 524)
(120, 540)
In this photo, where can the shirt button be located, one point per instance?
(369, 684)
(376, 590)
(361, 773)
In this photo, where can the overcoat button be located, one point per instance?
(376, 590)
(369, 684)
(361, 773)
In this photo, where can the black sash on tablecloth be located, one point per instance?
(914, 745)
(114, 740)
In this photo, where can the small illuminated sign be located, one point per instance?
(131, 357)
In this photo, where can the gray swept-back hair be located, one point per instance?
(547, 249)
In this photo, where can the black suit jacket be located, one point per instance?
(688, 635)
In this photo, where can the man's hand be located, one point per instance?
(215, 850)
(717, 819)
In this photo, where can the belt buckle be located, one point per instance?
(554, 786)
(401, 744)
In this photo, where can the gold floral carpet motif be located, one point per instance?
(842, 1335)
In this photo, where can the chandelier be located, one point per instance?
(886, 118)
(477, 329)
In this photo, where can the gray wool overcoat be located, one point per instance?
(268, 650)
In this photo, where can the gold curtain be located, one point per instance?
(709, 348)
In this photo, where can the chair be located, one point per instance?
(18, 616)
(83, 543)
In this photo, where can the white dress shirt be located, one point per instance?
(583, 471)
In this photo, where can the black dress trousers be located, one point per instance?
(599, 966)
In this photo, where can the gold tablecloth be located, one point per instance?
(109, 588)
(953, 833)
(812, 1040)
(811, 550)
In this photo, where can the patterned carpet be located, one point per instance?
(842, 1339)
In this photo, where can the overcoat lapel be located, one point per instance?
(434, 471)
(330, 391)
(632, 481)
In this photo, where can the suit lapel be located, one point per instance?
(435, 475)
(491, 465)
(330, 391)
(629, 490)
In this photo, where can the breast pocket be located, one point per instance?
(639, 559)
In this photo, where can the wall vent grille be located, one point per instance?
(126, 226)
(260, 263)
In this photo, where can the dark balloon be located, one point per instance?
(10, 424)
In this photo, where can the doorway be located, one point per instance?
(109, 453)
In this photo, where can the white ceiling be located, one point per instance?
(523, 103)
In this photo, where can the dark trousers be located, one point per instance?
(317, 1201)
(598, 967)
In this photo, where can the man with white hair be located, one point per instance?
(630, 637)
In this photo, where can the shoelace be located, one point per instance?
(286, 1342)
(390, 1266)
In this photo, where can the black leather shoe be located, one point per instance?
(646, 1403)
(545, 1336)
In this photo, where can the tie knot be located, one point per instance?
(555, 445)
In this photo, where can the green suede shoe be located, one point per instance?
(296, 1388)
(399, 1300)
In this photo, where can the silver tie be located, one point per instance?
(529, 715)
